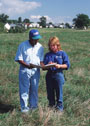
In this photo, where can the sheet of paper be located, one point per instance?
(46, 66)
(49, 65)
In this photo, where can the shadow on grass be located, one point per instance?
(4, 108)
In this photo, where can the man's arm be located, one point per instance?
(29, 66)
(42, 64)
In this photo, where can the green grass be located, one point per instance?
(76, 88)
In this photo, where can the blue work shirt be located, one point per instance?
(59, 57)
(29, 54)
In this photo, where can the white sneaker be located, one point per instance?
(25, 110)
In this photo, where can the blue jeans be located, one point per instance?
(54, 85)
(28, 89)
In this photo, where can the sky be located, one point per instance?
(55, 11)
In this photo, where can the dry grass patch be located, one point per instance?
(79, 71)
(48, 115)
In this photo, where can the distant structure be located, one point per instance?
(34, 25)
(7, 26)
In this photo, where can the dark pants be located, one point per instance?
(54, 86)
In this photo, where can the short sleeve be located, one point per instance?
(19, 54)
(41, 54)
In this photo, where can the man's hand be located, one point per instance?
(31, 66)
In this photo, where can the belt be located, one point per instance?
(54, 71)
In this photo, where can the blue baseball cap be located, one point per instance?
(34, 34)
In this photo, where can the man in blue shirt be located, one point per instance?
(29, 52)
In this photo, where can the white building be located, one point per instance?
(34, 25)
(61, 26)
(7, 26)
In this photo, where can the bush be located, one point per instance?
(17, 30)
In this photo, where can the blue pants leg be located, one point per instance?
(28, 89)
(33, 92)
(24, 84)
(50, 90)
(54, 84)
(60, 82)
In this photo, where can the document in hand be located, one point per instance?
(45, 67)
(49, 65)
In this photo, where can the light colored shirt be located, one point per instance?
(29, 54)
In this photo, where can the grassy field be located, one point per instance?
(76, 88)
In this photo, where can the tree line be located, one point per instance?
(5, 18)
(81, 20)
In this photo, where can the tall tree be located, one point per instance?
(50, 23)
(43, 21)
(19, 20)
(3, 18)
(67, 25)
(81, 21)
(26, 20)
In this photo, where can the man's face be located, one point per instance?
(33, 41)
